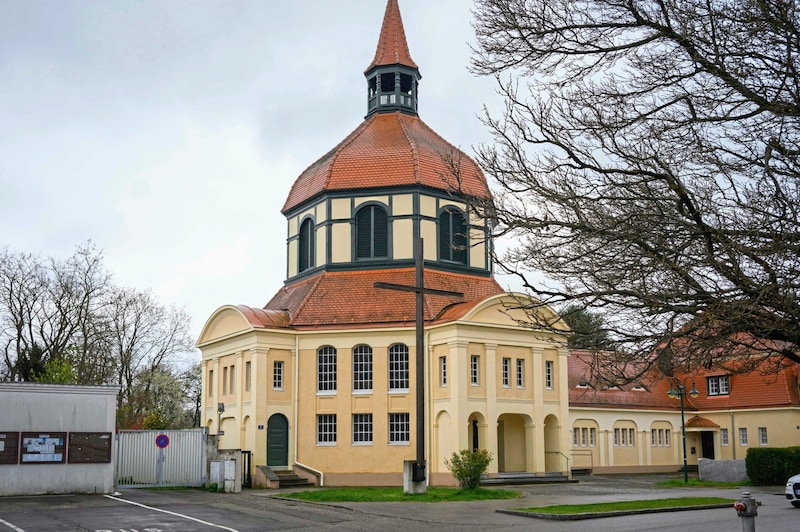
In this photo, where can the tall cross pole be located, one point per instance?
(420, 291)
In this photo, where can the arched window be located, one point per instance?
(398, 367)
(306, 251)
(326, 369)
(372, 233)
(452, 236)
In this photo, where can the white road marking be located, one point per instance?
(166, 512)
(12, 527)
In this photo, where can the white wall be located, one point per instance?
(45, 408)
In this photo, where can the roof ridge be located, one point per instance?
(311, 290)
(342, 145)
(414, 150)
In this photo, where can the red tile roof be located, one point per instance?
(348, 299)
(698, 422)
(392, 45)
(747, 390)
(389, 150)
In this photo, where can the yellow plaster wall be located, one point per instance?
(477, 249)
(321, 243)
(402, 205)
(428, 233)
(340, 233)
(380, 199)
(340, 209)
(403, 239)
(427, 206)
(291, 258)
(478, 391)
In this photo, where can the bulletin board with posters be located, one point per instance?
(43, 448)
(89, 447)
(9, 448)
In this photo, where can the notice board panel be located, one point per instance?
(43, 447)
(9, 448)
(89, 448)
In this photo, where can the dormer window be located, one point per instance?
(452, 236)
(718, 385)
(372, 233)
(305, 259)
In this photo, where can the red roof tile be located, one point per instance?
(747, 390)
(347, 299)
(698, 422)
(392, 45)
(389, 150)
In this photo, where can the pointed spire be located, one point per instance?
(392, 46)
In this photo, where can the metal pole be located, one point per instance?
(420, 361)
(683, 435)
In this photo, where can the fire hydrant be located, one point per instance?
(747, 509)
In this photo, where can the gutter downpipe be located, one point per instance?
(429, 417)
(296, 401)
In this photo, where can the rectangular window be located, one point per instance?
(443, 371)
(718, 385)
(277, 374)
(653, 438)
(631, 438)
(592, 433)
(575, 433)
(548, 374)
(225, 380)
(661, 437)
(248, 375)
(584, 434)
(723, 437)
(616, 437)
(326, 369)
(326, 429)
(666, 438)
(362, 368)
(762, 436)
(520, 373)
(743, 437)
(210, 382)
(474, 370)
(399, 428)
(233, 379)
(506, 372)
(398, 367)
(623, 441)
(362, 428)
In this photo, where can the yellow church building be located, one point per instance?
(322, 379)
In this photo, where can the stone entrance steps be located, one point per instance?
(508, 479)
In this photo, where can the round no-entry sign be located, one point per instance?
(162, 440)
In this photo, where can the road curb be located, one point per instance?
(598, 515)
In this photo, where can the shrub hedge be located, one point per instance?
(770, 466)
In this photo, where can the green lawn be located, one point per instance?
(697, 483)
(397, 495)
(619, 506)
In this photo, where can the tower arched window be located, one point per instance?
(452, 236)
(306, 246)
(372, 233)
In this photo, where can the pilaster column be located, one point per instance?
(460, 379)
(491, 404)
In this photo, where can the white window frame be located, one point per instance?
(548, 374)
(326, 429)
(592, 436)
(762, 436)
(398, 368)
(718, 385)
(474, 370)
(399, 428)
(326, 370)
(520, 373)
(248, 376)
(362, 369)
(443, 371)
(362, 429)
(743, 437)
(277, 375)
(506, 372)
(723, 437)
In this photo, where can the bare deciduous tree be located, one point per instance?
(646, 162)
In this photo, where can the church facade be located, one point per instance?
(322, 379)
(323, 376)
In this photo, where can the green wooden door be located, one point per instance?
(278, 441)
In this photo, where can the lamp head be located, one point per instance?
(693, 392)
(220, 408)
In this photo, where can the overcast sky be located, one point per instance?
(169, 132)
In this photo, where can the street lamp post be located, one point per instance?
(678, 390)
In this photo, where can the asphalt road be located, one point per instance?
(257, 510)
